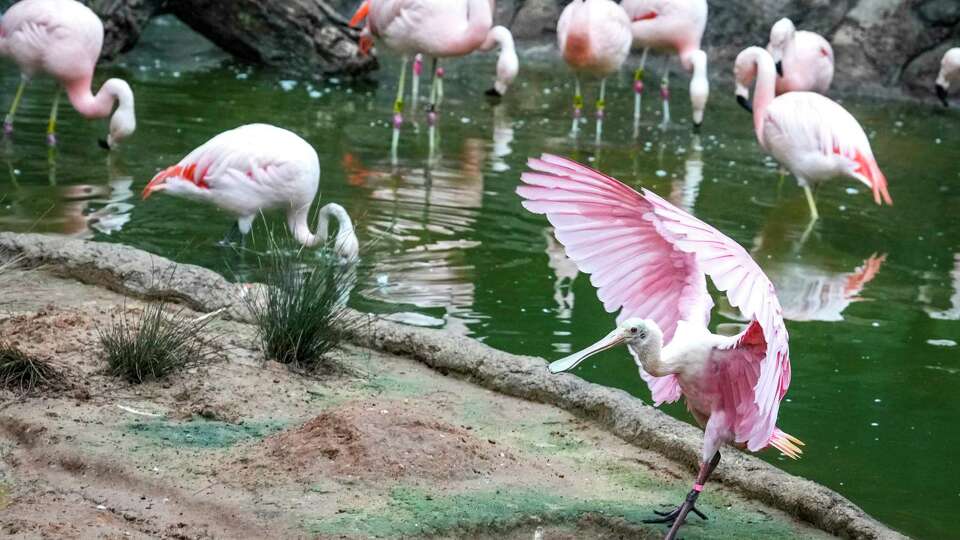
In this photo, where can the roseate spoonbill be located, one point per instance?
(809, 134)
(253, 168)
(671, 26)
(62, 38)
(949, 73)
(804, 60)
(594, 38)
(650, 259)
(439, 29)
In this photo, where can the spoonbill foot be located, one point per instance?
(671, 515)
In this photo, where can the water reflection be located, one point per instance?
(684, 191)
(425, 216)
(952, 313)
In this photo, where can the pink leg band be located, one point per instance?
(698, 487)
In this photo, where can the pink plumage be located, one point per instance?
(63, 38)
(809, 134)
(649, 259)
(804, 59)
(252, 169)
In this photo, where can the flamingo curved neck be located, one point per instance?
(101, 104)
(507, 63)
(479, 21)
(297, 221)
(765, 88)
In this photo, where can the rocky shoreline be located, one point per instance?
(111, 272)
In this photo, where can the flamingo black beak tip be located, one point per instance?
(942, 94)
(745, 103)
(102, 143)
(780, 68)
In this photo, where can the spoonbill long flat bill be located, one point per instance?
(809, 134)
(649, 259)
(253, 168)
(62, 38)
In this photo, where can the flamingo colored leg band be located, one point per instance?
(698, 487)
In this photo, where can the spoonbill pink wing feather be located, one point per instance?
(649, 259)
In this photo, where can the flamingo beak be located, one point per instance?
(780, 68)
(611, 340)
(745, 103)
(942, 94)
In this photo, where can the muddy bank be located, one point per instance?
(384, 441)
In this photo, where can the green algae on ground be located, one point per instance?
(415, 512)
(201, 433)
(4, 496)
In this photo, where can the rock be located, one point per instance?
(535, 18)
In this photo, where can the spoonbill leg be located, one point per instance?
(677, 516)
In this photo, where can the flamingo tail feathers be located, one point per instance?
(187, 173)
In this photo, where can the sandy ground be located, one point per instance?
(378, 446)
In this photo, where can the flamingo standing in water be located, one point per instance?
(594, 38)
(650, 259)
(672, 26)
(809, 134)
(439, 29)
(63, 38)
(804, 60)
(949, 73)
(253, 168)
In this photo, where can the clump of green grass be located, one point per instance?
(154, 343)
(20, 372)
(300, 313)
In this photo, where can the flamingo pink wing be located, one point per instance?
(763, 346)
(611, 233)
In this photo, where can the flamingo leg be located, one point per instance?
(435, 94)
(678, 515)
(52, 124)
(814, 215)
(665, 91)
(638, 92)
(577, 107)
(398, 110)
(600, 108)
(415, 82)
(8, 121)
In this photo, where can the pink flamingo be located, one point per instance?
(672, 26)
(253, 168)
(439, 29)
(62, 38)
(808, 58)
(809, 134)
(949, 73)
(594, 38)
(650, 259)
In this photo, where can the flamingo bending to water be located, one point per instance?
(650, 259)
(809, 134)
(594, 38)
(949, 73)
(63, 38)
(672, 26)
(258, 167)
(804, 60)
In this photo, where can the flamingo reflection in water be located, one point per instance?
(953, 312)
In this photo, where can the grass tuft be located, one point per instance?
(19, 372)
(300, 312)
(155, 343)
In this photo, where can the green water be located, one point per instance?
(448, 244)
